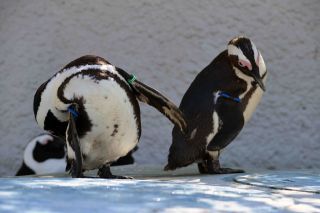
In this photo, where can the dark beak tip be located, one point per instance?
(258, 80)
(263, 87)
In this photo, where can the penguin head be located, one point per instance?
(245, 56)
(43, 154)
(47, 147)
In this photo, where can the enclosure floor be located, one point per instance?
(153, 190)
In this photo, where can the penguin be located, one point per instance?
(127, 159)
(94, 106)
(217, 105)
(44, 154)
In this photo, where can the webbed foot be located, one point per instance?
(213, 167)
(105, 172)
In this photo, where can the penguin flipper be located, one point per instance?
(73, 142)
(155, 99)
(222, 139)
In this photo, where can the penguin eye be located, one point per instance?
(241, 64)
(245, 64)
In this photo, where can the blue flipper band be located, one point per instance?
(226, 95)
(73, 112)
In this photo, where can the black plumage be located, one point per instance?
(213, 109)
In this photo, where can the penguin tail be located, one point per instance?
(178, 158)
(174, 163)
(181, 153)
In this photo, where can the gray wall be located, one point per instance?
(166, 43)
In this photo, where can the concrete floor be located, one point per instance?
(153, 190)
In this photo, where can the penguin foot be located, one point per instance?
(117, 177)
(202, 168)
(213, 167)
(226, 171)
(105, 172)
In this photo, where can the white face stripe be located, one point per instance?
(255, 51)
(49, 95)
(262, 65)
(233, 50)
(244, 77)
(46, 167)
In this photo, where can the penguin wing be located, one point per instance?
(222, 139)
(155, 99)
(72, 140)
(230, 124)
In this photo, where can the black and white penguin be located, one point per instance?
(218, 103)
(44, 154)
(93, 104)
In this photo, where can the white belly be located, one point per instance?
(114, 130)
(252, 104)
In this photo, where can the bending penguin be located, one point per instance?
(218, 103)
(94, 105)
(46, 154)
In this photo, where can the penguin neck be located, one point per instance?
(252, 94)
(247, 82)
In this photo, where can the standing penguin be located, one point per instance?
(218, 103)
(44, 154)
(93, 104)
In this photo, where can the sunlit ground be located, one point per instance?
(155, 191)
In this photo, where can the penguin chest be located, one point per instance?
(251, 97)
(252, 100)
(112, 119)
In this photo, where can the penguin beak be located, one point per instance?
(256, 76)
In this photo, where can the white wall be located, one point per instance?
(166, 43)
